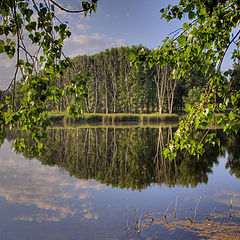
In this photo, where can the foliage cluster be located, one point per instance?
(31, 32)
(201, 44)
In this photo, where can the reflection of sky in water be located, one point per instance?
(29, 183)
(39, 202)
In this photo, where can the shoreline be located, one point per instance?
(63, 118)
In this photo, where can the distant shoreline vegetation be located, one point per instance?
(63, 118)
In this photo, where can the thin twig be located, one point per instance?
(175, 38)
(174, 214)
(139, 225)
(177, 30)
(204, 136)
(220, 64)
(230, 212)
(67, 10)
(221, 60)
(16, 71)
(190, 220)
(165, 214)
(212, 211)
(195, 214)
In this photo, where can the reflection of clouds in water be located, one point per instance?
(91, 216)
(29, 183)
(26, 219)
(87, 208)
(38, 218)
(84, 196)
(225, 198)
(88, 185)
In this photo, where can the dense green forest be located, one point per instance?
(115, 85)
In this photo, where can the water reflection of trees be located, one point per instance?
(130, 157)
(232, 147)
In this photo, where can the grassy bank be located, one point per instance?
(62, 118)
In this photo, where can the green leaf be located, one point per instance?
(233, 99)
(182, 40)
(31, 26)
(191, 15)
(186, 26)
(231, 116)
(28, 13)
(2, 45)
(94, 7)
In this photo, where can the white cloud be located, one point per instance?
(120, 42)
(90, 44)
(83, 17)
(7, 69)
(76, 45)
(7, 66)
(87, 212)
(25, 219)
(61, 13)
(83, 27)
(6, 62)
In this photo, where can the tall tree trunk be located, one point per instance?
(114, 93)
(105, 77)
(106, 98)
(171, 86)
(96, 77)
(161, 82)
(128, 94)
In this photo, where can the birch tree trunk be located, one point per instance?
(161, 82)
(171, 86)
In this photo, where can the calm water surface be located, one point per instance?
(111, 183)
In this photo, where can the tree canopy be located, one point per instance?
(33, 35)
(202, 43)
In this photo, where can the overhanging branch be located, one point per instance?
(67, 10)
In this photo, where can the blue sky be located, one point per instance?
(116, 23)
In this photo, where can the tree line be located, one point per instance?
(115, 85)
(112, 84)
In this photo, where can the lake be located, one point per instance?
(111, 182)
